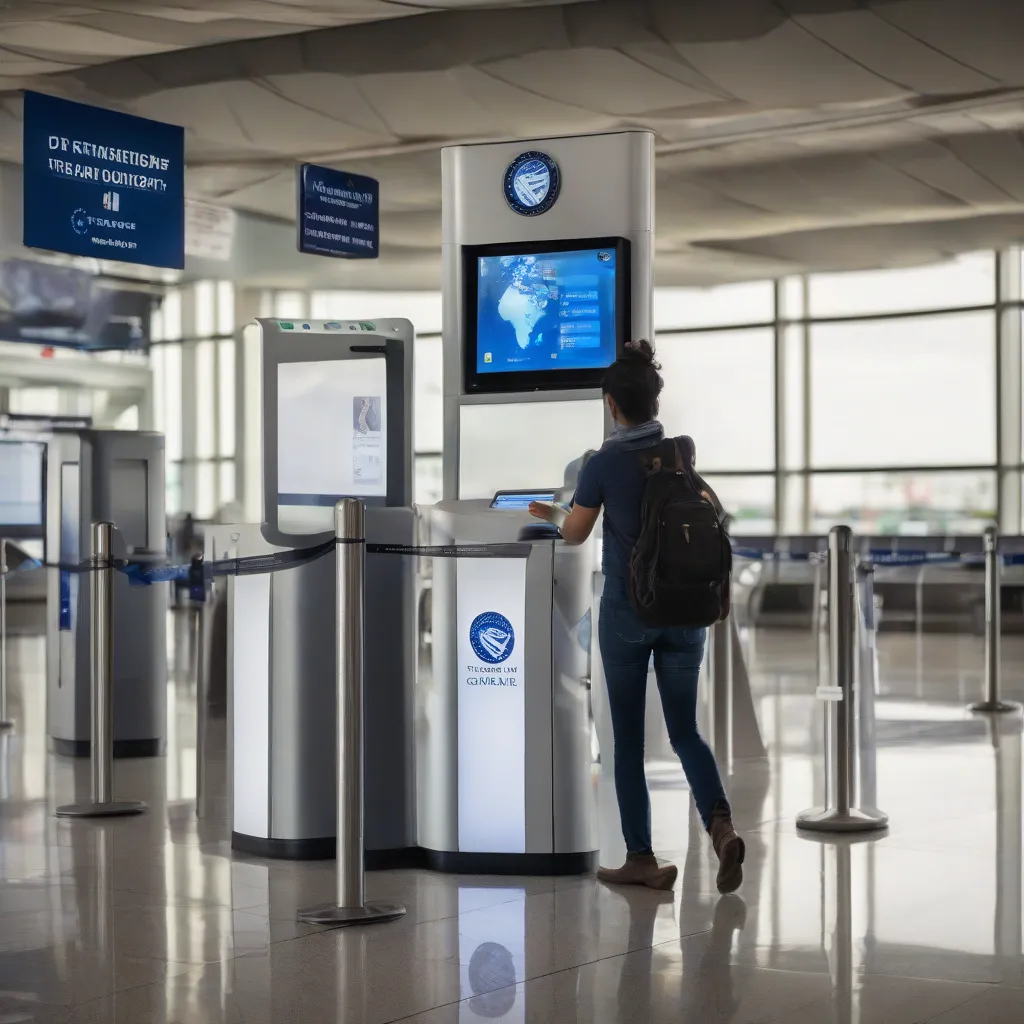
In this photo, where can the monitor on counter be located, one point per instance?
(544, 315)
(518, 500)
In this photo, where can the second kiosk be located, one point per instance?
(546, 253)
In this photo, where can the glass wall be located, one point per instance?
(195, 390)
(863, 398)
(871, 398)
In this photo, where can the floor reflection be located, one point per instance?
(154, 920)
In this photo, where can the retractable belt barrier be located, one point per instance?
(198, 572)
(879, 558)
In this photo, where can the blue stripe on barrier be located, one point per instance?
(884, 559)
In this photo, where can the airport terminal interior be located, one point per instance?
(304, 305)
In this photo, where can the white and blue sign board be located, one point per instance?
(104, 184)
(339, 213)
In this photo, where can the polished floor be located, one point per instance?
(152, 919)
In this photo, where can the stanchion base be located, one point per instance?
(113, 809)
(328, 913)
(819, 819)
(995, 707)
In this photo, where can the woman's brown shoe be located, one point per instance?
(730, 849)
(640, 869)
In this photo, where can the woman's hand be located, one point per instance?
(542, 510)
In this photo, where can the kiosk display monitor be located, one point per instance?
(22, 484)
(519, 500)
(544, 314)
(332, 431)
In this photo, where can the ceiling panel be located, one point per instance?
(816, 133)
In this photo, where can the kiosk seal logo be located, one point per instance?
(492, 637)
(532, 183)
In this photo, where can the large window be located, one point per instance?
(869, 398)
(917, 503)
(428, 426)
(194, 388)
(914, 391)
(719, 389)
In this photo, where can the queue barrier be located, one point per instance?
(849, 760)
(849, 710)
(350, 906)
(991, 560)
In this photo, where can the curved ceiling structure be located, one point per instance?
(791, 134)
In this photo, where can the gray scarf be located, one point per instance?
(631, 439)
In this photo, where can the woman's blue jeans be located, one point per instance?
(626, 648)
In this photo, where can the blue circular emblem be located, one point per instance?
(80, 221)
(532, 183)
(492, 637)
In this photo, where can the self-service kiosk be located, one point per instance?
(337, 422)
(546, 252)
(114, 475)
(508, 779)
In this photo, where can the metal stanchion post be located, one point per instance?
(101, 681)
(202, 698)
(721, 693)
(5, 722)
(868, 605)
(350, 906)
(841, 812)
(993, 628)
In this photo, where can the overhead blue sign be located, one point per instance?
(339, 213)
(104, 184)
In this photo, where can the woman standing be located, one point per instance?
(614, 479)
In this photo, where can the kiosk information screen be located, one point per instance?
(331, 431)
(21, 483)
(519, 499)
(550, 314)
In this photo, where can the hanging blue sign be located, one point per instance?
(104, 184)
(339, 213)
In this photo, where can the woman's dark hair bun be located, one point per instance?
(641, 350)
(634, 382)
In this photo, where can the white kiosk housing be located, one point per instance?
(547, 247)
(337, 422)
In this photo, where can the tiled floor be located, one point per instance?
(152, 919)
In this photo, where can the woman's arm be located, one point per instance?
(577, 525)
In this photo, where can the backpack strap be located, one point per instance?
(686, 459)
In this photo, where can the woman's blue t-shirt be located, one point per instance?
(615, 479)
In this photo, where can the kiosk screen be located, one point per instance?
(542, 318)
(519, 499)
(21, 483)
(331, 431)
